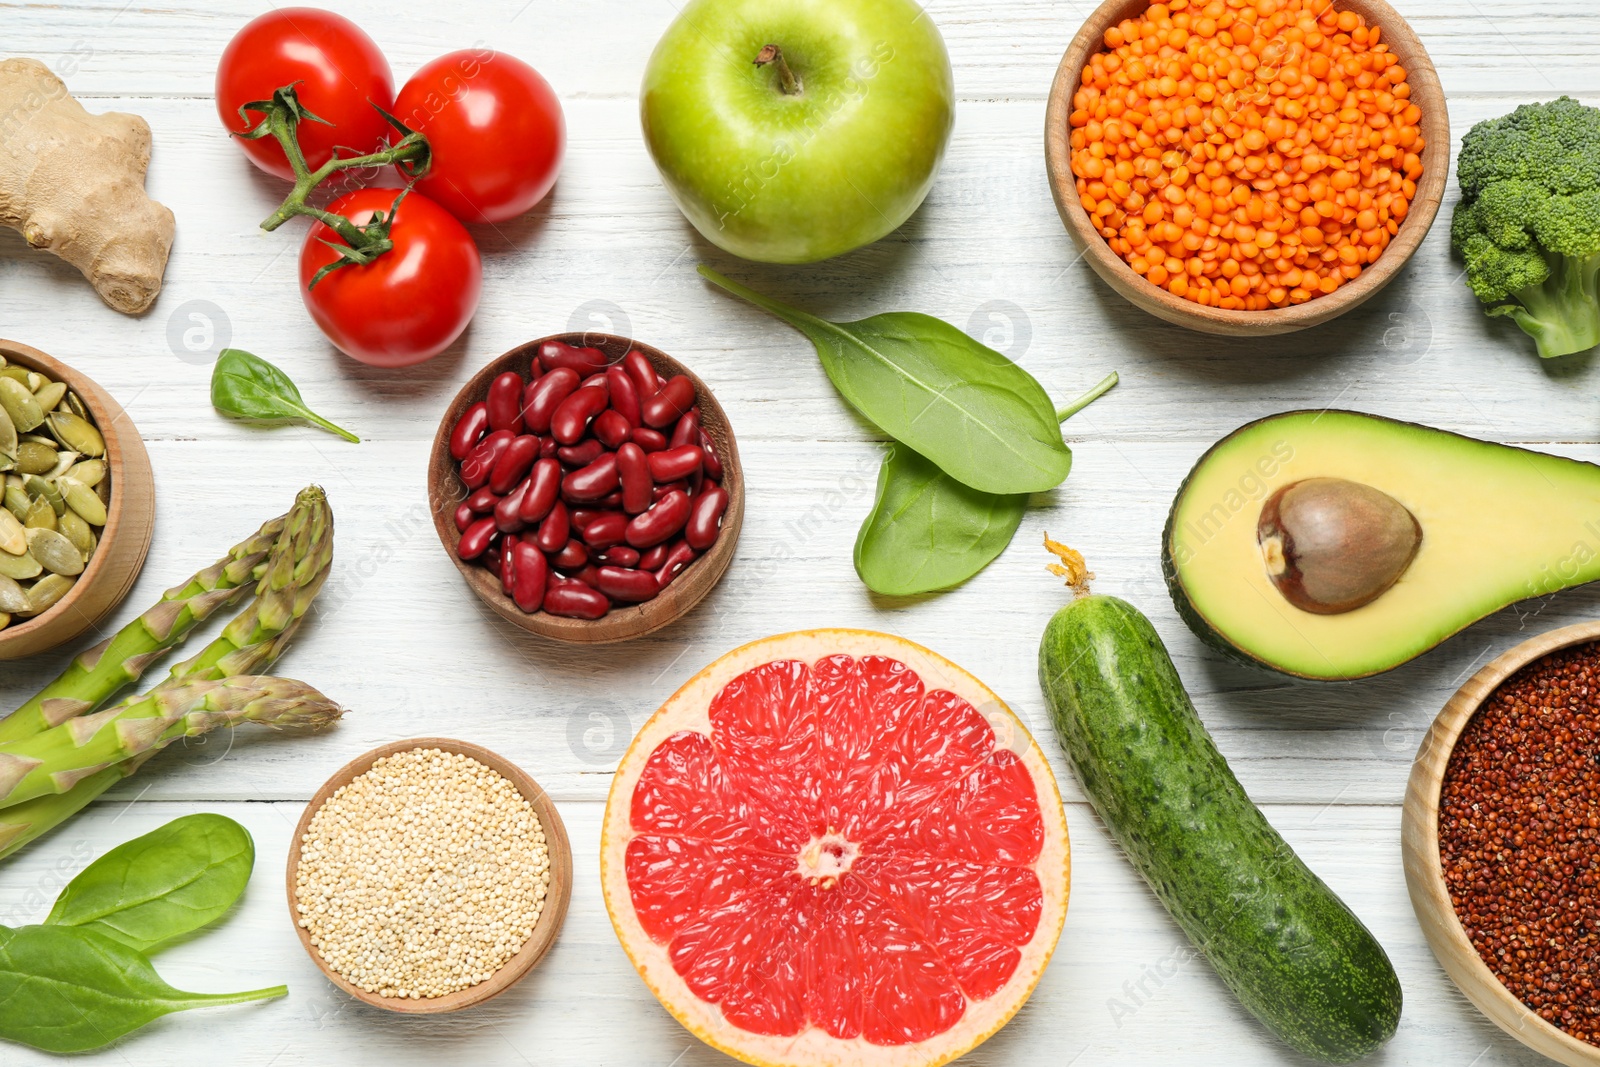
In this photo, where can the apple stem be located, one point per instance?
(786, 77)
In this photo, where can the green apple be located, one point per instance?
(789, 131)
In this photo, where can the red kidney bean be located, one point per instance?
(514, 463)
(555, 529)
(648, 439)
(653, 559)
(476, 539)
(598, 381)
(582, 517)
(543, 486)
(687, 430)
(674, 464)
(592, 482)
(508, 564)
(508, 512)
(470, 428)
(612, 501)
(619, 556)
(712, 461)
(575, 600)
(464, 517)
(545, 395)
(483, 500)
(664, 519)
(678, 557)
(531, 574)
(588, 576)
(705, 518)
(571, 558)
(669, 403)
(610, 428)
(624, 395)
(580, 455)
(572, 417)
(607, 530)
(548, 447)
(505, 402)
(559, 354)
(626, 585)
(480, 463)
(670, 487)
(491, 559)
(643, 373)
(697, 481)
(633, 472)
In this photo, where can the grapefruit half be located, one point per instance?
(836, 847)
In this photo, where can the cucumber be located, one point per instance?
(1290, 950)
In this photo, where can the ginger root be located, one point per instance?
(73, 184)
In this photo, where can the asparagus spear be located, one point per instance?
(250, 644)
(59, 758)
(95, 675)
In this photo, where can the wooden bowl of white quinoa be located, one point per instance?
(428, 875)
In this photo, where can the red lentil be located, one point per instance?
(1519, 827)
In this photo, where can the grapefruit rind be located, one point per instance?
(688, 709)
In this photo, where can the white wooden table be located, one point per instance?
(400, 639)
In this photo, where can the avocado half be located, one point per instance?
(1498, 524)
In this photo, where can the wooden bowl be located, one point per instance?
(446, 490)
(555, 901)
(130, 522)
(1419, 843)
(1428, 95)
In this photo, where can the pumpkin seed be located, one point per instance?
(5, 620)
(16, 500)
(83, 500)
(41, 516)
(19, 403)
(12, 596)
(77, 530)
(48, 395)
(74, 403)
(37, 487)
(88, 471)
(13, 539)
(34, 458)
(57, 554)
(7, 463)
(8, 434)
(20, 567)
(47, 592)
(64, 462)
(16, 373)
(77, 433)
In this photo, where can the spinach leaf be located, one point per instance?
(71, 990)
(248, 387)
(170, 882)
(978, 416)
(928, 531)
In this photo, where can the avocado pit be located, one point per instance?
(1331, 545)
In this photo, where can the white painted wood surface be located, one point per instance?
(401, 640)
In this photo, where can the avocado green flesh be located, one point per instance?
(1499, 524)
(1284, 943)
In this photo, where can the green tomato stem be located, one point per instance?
(1088, 398)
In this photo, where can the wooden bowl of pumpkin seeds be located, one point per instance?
(78, 507)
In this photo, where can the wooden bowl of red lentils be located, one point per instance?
(1247, 167)
(1501, 839)
(429, 875)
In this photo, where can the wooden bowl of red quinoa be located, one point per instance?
(1518, 710)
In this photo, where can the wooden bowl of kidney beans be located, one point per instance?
(588, 487)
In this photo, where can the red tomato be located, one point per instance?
(496, 132)
(410, 303)
(341, 71)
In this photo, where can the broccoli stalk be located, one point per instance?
(1561, 314)
(1528, 224)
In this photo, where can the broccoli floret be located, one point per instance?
(1528, 224)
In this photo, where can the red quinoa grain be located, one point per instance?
(1519, 826)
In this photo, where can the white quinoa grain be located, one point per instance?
(422, 876)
